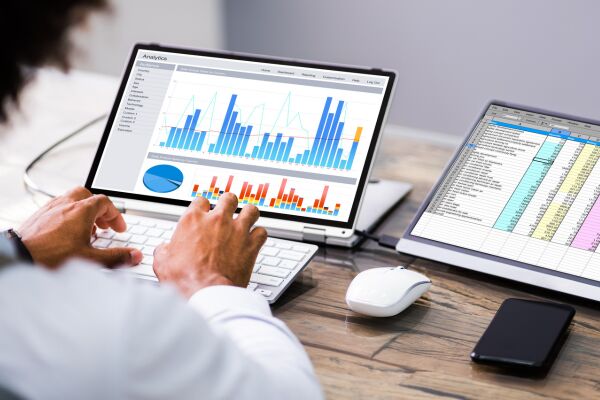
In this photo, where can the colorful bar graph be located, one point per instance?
(286, 198)
(328, 149)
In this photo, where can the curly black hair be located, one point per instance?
(36, 33)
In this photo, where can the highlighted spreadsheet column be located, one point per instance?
(588, 236)
(567, 192)
(529, 184)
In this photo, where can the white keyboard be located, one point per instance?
(277, 265)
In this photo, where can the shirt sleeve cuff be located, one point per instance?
(214, 300)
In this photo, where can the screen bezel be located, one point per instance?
(244, 57)
(461, 250)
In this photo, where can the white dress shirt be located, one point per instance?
(81, 333)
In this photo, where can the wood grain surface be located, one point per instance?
(424, 351)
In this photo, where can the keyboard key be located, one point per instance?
(122, 236)
(148, 251)
(167, 235)
(165, 226)
(256, 267)
(101, 243)
(130, 219)
(274, 271)
(289, 264)
(265, 280)
(283, 245)
(148, 222)
(105, 234)
(271, 261)
(138, 239)
(144, 269)
(154, 241)
(252, 286)
(301, 248)
(269, 251)
(265, 292)
(136, 246)
(137, 230)
(117, 243)
(259, 259)
(148, 260)
(154, 232)
(291, 255)
(270, 242)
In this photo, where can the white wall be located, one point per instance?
(452, 56)
(108, 39)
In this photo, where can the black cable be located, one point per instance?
(30, 185)
(384, 240)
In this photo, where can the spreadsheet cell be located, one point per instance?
(552, 255)
(592, 269)
(514, 246)
(533, 251)
(574, 261)
(494, 241)
(524, 188)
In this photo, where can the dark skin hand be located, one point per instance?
(63, 227)
(211, 247)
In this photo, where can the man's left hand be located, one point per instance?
(62, 229)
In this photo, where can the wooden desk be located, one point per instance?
(424, 352)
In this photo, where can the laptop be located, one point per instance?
(294, 138)
(519, 200)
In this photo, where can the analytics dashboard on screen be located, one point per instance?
(525, 187)
(287, 139)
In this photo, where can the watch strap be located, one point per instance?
(19, 250)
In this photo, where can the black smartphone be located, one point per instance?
(525, 334)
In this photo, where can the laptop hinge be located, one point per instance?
(313, 235)
(120, 206)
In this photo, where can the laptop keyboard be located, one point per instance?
(277, 265)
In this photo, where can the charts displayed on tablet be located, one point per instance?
(525, 187)
(287, 139)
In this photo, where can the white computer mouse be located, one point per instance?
(383, 292)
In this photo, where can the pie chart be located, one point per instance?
(163, 178)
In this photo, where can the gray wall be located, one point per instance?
(105, 43)
(452, 56)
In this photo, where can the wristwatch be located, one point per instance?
(20, 251)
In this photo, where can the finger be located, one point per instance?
(248, 216)
(160, 255)
(227, 203)
(116, 256)
(200, 204)
(73, 195)
(104, 213)
(258, 237)
(78, 193)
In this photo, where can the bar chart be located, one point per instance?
(328, 148)
(287, 197)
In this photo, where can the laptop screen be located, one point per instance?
(294, 139)
(525, 187)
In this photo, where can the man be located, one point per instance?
(71, 330)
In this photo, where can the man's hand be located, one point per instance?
(63, 228)
(210, 247)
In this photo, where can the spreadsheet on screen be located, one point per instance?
(525, 187)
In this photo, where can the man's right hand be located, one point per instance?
(210, 247)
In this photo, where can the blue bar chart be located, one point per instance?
(328, 148)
